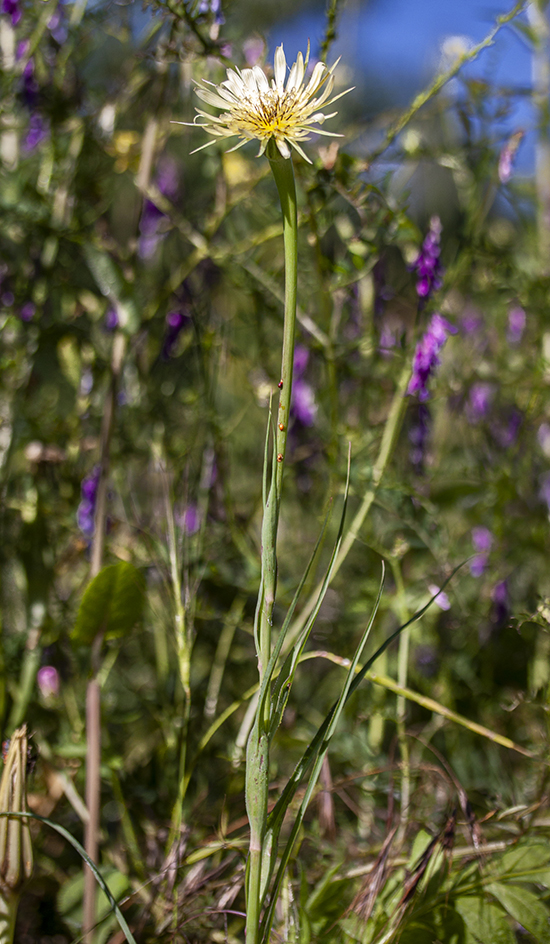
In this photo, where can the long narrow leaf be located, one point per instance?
(84, 855)
(310, 753)
(321, 754)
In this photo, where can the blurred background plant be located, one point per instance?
(423, 300)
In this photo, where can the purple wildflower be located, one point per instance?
(47, 679)
(191, 519)
(110, 321)
(303, 406)
(507, 157)
(482, 539)
(479, 401)
(428, 265)
(38, 130)
(426, 357)
(58, 27)
(505, 431)
(27, 311)
(152, 217)
(516, 324)
(30, 87)
(471, 320)
(86, 510)
(175, 323)
(441, 600)
(253, 49)
(22, 49)
(213, 6)
(11, 8)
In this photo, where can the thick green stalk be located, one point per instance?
(257, 757)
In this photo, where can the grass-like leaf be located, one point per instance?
(83, 854)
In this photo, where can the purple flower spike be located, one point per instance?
(479, 402)
(426, 357)
(47, 679)
(38, 130)
(86, 510)
(428, 266)
(11, 8)
(516, 324)
(482, 539)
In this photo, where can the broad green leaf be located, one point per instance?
(527, 860)
(485, 921)
(525, 908)
(112, 603)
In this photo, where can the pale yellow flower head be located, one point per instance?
(252, 108)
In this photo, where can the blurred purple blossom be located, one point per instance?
(175, 323)
(506, 429)
(190, 520)
(212, 6)
(38, 130)
(426, 357)
(110, 321)
(253, 49)
(30, 87)
(86, 509)
(150, 224)
(441, 600)
(12, 8)
(428, 266)
(303, 406)
(482, 539)
(47, 679)
(22, 48)
(58, 27)
(516, 324)
(27, 311)
(479, 401)
(471, 320)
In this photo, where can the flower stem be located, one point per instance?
(257, 757)
(283, 173)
